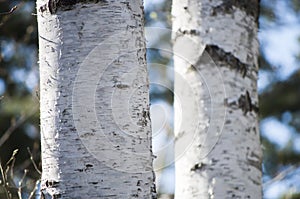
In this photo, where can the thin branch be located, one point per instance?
(9, 12)
(10, 167)
(281, 175)
(13, 156)
(5, 183)
(20, 184)
(6, 15)
(34, 189)
(34, 164)
(13, 127)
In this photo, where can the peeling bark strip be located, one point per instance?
(219, 55)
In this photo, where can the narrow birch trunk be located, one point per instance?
(217, 147)
(95, 125)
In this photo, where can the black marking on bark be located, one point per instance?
(146, 114)
(198, 167)
(244, 102)
(218, 54)
(143, 121)
(51, 183)
(52, 6)
(87, 135)
(179, 135)
(153, 191)
(43, 8)
(50, 42)
(89, 165)
(45, 195)
(80, 34)
(189, 32)
(139, 182)
(254, 160)
(251, 7)
(57, 196)
(121, 86)
(154, 156)
(214, 161)
(94, 183)
(153, 186)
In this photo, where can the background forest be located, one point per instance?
(279, 90)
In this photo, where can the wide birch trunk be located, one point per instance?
(95, 124)
(217, 149)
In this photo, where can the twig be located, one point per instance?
(34, 189)
(10, 167)
(281, 175)
(13, 127)
(9, 12)
(20, 184)
(6, 15)
(4, 178)
(34, 164)
(13, 156)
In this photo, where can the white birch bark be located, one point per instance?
(217, 147)
(95, 125)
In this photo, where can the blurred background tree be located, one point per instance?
(279, 88)
(19, 116)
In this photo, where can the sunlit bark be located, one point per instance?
(95, 124)
(218, 152)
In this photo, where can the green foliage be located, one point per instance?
(291, 196)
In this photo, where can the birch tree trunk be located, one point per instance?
(217, 147)
(95, 124)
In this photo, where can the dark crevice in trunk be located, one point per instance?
(219, 55)
(54, 5)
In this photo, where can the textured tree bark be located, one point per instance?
(95, 124)
(217, 149)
